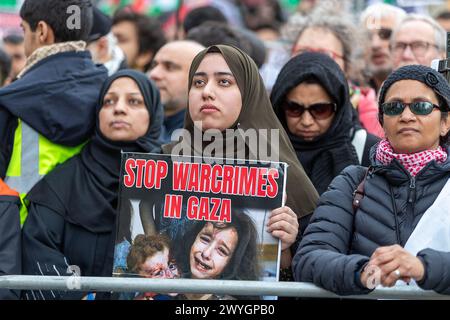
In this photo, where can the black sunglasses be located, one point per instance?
(319, 111)
(384, 33)
(421, 108)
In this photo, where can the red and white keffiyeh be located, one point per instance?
(412, 162)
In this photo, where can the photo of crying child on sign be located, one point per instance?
(197, 218)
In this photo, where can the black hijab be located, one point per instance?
(326, 156)
(84, 189)
(256, 113)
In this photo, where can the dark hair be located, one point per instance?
(254, 18)
(144, 247)
(54, 13)
(5, 66)
(201, 15)
(14, 39)
(150, 35)
(213, 33)
(243, 264)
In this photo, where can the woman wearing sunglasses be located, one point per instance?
(396, 230)
(336, 36)
(311, 99)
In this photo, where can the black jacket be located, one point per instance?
(52, 244)
(338, 243)
(10, 254)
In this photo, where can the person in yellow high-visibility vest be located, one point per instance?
(48, 113)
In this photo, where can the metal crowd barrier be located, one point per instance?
(231, 287)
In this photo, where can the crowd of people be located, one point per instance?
(361, 116)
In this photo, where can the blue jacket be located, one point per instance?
(56, 97)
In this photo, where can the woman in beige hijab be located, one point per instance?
(227, 92)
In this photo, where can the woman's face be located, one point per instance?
(211, 251)
(410, 133)
(305, 125)
(159, 266)
(124, 115)
(214, 97)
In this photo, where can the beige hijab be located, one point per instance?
(257, 113)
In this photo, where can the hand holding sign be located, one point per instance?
(283, 225)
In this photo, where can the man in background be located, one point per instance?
(170, 71)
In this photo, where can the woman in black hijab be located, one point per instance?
(72, 210)
(325, 138)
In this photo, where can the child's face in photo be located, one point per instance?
(212, 251)
(159, 266)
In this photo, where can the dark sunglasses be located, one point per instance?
(421, 108)
(384, 33)
(319, 111)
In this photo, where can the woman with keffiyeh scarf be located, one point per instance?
(397, 232)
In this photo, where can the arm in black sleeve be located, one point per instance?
(437, 270)
(322, 257)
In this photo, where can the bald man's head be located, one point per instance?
(170, 71)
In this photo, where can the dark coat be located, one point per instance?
(10, 255)
(51, 244)
(338, 243)
(56, 97)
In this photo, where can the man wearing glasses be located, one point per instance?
(379, 20)
(417, 40)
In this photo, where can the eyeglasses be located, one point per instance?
(421, 108)
(319, 111)
(333, 55)
(419, 48)
(383, 33)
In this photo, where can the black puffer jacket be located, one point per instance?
(338, 243)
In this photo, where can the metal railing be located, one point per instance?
(231, 287)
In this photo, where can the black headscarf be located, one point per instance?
(256, 113)
(84, 189)
(326, 156)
